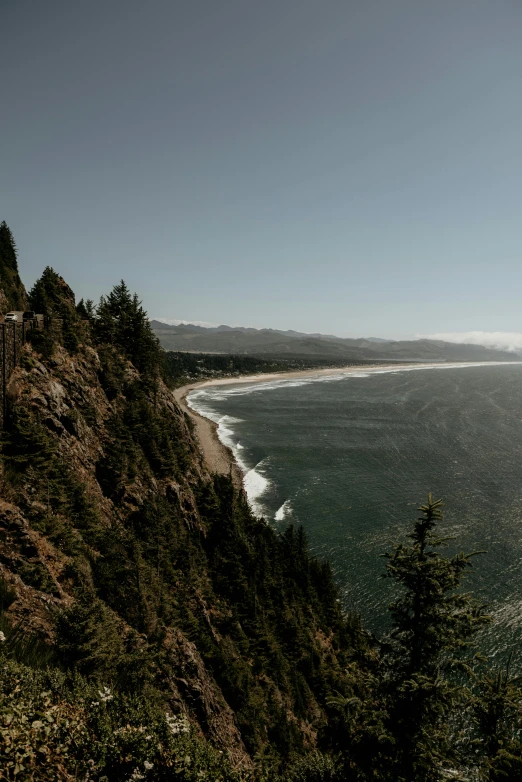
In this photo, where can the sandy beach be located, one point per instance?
(218, 457)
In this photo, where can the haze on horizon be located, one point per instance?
(340, 167)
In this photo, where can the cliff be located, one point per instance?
(151, 628)
(139, 571)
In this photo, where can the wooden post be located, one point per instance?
(14, 346)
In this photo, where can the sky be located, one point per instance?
(340, 166)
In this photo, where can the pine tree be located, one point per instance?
(122, 322)
(10, 282)
(85, 309)
(8, 250)
(434, 623)
(51, 296)
(498, 716)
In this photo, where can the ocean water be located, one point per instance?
(351, 457)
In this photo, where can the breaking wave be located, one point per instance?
(284, 511)
(255, 485)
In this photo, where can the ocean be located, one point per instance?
(352, 456)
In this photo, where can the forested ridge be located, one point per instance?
(152, 628)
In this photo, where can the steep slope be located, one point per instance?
(142, 570)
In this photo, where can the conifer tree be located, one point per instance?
(434, 623)
(10, 282)
(498, 715)
(51, 296)
(8, 249)
(122, 322)
(85, 309)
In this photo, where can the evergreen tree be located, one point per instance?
(85, 309)
(51, 296)
(122, 322)
(498, 716)
(8, 249)
(10, 282)
(434, 623)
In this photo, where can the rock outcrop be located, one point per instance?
(134, 563)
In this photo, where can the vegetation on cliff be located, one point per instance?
(12, 291)
(152, 628)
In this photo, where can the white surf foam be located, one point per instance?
(254, 482)
(221, 393)
(255, 485)
(284, 511)
(227, 435)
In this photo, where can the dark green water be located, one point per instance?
(352, 457)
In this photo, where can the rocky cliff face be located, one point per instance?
(67, 398)
(140, 568)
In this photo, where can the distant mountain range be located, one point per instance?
(294, 344)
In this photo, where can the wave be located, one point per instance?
(284, 511)
(255, 485)
(254, 482)
(221, 394)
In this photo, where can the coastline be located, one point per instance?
(219, 458)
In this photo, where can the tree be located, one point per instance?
(498, 716)
(85, 309)
(8, 250)
(122, 322)
(14, 296)
(434, 623)
(51, 296)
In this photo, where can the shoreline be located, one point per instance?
(220, 459)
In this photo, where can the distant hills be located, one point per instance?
(294, 344)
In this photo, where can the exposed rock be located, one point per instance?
(202, 697)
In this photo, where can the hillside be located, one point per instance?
(152, 628)
(268, 342)
(141, 572)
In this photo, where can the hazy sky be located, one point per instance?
(342, 166)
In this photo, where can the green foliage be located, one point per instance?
(497, 710)
(432, 618)
(52, 297)
(10, 282)
(142, 439)
(24, 647)
(122, 323)
(56, 726)
(434, 624)
(180, 368)
(85, 309)
(27, 443)
(31, 459)
(165, 554)
(89, 639)
(315, 767)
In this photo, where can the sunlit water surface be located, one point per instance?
(351, 458)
